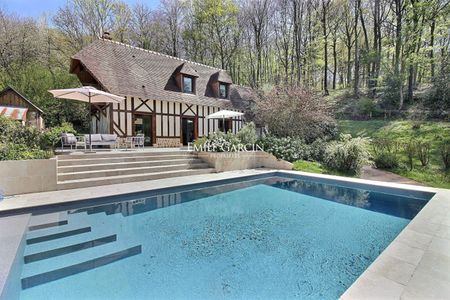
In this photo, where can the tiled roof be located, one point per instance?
(130, 71)
(10, 88)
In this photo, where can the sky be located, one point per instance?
(36, 8)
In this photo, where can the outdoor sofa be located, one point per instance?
(102, 140)
(72, 141)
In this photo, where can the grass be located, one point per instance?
(309, 166)
(403, 132)
(315, 167)
(362, 128)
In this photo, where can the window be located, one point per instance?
(225, 125)
(188, 84)
(223, 90)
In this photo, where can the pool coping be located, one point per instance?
(415, 265)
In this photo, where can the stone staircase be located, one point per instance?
(94, 169)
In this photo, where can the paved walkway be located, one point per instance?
(372, 173)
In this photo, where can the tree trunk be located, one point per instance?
(325, 47)
(356, 81)
(432, 28)
(334, 62)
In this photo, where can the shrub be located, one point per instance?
(386, 153)
(366, 107)
(317, 150)
(410, 151)
(220, 142)
(423, 152)
(386, 160)
(291, 111)
(51, 137)
(391, 94)
(289, 149)
(347, 154)
(11, 151)
(14, 132)
(445, 154)
(247, 135)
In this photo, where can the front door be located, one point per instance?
(188, 130)
(143, 125)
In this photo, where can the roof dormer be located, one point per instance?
(220, 83)
(186, 76)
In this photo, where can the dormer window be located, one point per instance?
(188, 84)
(223, 90)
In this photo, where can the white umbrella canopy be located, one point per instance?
(87, 94)
(224, 114)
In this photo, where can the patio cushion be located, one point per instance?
(109, 137)
(69, 138)
(94, 137)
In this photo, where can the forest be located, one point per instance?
(377, 49)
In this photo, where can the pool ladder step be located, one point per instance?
(58, 249)
(29, 258)
(69, 270)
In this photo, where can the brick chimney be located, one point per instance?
(106, 36)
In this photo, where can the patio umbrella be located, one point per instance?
(87, 94)
(224, 114)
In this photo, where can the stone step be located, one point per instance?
(107, 160)
(128, 171)
(88, 182)
(121, 154)
(124, 165)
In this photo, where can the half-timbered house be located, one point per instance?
(166, 98)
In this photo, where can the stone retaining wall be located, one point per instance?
(167, 143)
(27, 176)
(230, 161)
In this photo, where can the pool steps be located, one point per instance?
(94, 169)
(59, 251)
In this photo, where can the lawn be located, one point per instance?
(405, 131)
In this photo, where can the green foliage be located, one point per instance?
(444, 151)
(347, 154)
(386, 153)
(366, 107)
(286, 148)
(391, 91)
(439, 99)
(52, 136)
(247, 135)
(11, 151)
(308, 166)
(423, 152)
(13, 132)
(317, 150)
(35, 80)
(22, 142)
(410, 151)
(220, 142)
(386, 160)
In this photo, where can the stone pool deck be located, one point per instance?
(416, 265)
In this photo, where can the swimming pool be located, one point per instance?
(265, 237)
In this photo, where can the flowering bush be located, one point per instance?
(247, 134)
(347, 154)
(219, 142)
(293, 111)
(289, 149)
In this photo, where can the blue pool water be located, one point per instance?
(271, 238)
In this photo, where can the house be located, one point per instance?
(166, 98)
(17, 107)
